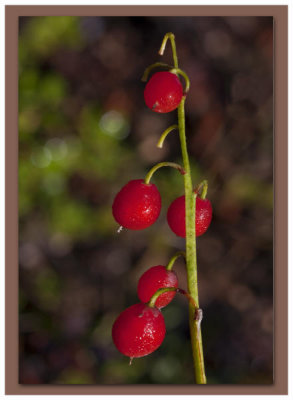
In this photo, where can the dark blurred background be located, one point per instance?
(84, 131)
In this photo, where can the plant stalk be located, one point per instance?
(195, 314)
(191, 263)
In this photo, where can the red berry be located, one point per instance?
(137, 205)
(163, 92)
(176, 216)
(139, 330)
(153, 279)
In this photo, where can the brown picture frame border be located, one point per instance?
(280, 15)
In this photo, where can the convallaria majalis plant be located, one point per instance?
(140, 329)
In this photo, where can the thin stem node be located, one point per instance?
(203, 188)
(174, 258)
(179, 71)
(153, 66)
(171, 37)
(158, 293)
(160, 165)
(188, 296)
(164, 135)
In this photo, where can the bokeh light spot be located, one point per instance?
(114, 124)
(58, 148)
(41, 157)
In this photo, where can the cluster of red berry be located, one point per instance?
(138, 205)
(140, 329)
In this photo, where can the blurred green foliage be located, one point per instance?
(84, 131)
(44, 35)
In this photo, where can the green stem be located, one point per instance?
(195, 313)
(178, 71)
(152, 302)
(153, 66)
(203, 187)
(154, 297)
(189, 298)
(171, 37)
(191, 263)
(160, 165)
(164, 134)
(174, 258)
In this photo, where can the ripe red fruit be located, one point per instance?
(137, 205)
(139, 330)
(176, 216)
(153, 279)
(163, 92)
